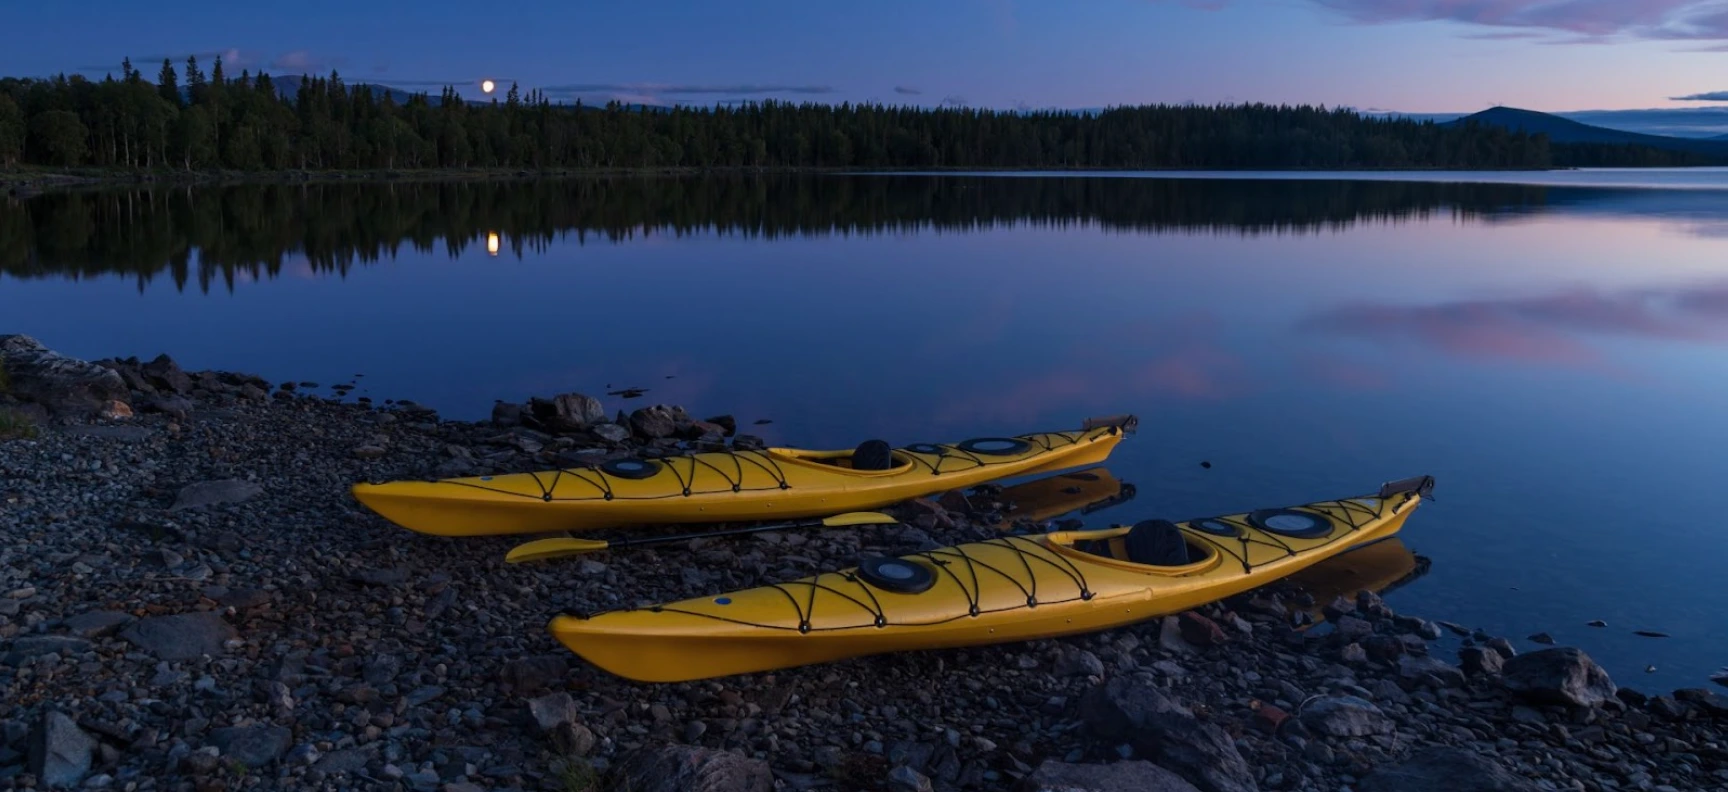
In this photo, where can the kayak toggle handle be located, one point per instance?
(1422, 486)
(1127, 422)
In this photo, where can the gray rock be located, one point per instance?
(553, 709)
(905, 779)
(164, 374)
(210, 493)
(253, 746)
(302, 755)
(533, 673)
(507, 414)
(653, 422)
(182, 636)
(1480, 660)
(1345, 716)
(95, 624)
(1130, 776)
(343, 761)
(1561, 675)
(568, 412)
(34, 645)
(748, 442)
(1431, 668)
(683, 768)
(1078, 662)
(1201, 753)
(62, 384)
(423, 694)
(1445, 770)
(1115, 709)
(176, 407)
(610, 432)
(60, 752)
(1351, 628)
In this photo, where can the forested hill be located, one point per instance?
(246, 123)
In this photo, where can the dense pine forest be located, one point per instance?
(221, 234)
(189, 121)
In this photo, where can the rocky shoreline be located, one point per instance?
(191, 600)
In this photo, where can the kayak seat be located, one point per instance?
(873, 455)
(1149, 542)
(1156, 543)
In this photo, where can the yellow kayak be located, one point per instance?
(1379, 567)
(1009, 588)
(1084, 491)
(726, 486)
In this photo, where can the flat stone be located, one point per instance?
(1345, 716)
(210, 493)
(253, 746)
(95, 624)
(36, 645)
(1445, 770)
(1128, 776)
(182, 636)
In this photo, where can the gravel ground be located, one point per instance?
(190, 599)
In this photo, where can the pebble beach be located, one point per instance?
(190, 599)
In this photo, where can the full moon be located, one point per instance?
(487, 86)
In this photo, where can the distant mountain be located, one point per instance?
(1565, 130)
(289, 86)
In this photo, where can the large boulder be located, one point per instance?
(1114, 709)
(1200, 752)
(1133, 711)
(1445, 770)
(1131, 776)
(683, 768)
(568, 412)
(1346, 716)
(63, 385)
(1561, 675)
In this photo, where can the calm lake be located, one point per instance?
(1552, 351)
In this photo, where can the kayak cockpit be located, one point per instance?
(882, 461)
(1155, 546)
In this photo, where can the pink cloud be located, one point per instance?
(1555, 328)
(1657, 19)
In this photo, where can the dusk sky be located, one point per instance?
(1406, 55)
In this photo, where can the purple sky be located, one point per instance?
(1407, 55)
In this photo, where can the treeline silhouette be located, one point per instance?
(211, 234)
(187, 120)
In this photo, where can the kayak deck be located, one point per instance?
(722, 486)
(1003, 589)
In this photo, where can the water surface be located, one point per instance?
(1552, 352)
